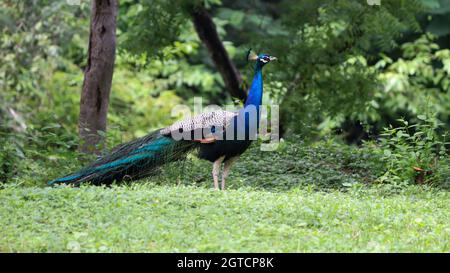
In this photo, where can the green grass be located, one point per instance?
(152, 218)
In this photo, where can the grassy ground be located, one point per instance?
(302, 198)
(166, 219)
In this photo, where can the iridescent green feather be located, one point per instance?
(132, 160)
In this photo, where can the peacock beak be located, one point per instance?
(272, 58)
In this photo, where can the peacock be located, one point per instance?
(219, 137)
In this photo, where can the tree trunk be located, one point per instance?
(206, 30)
(98, 74)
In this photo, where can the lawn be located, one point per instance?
(154, 218)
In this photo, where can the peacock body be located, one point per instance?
(220, 136)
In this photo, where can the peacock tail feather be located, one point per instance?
(133, 160)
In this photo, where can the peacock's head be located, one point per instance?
(261, 59)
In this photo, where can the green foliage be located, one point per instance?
(36, 36)
(148, 26)
(138, 103)
(327, 71)
(419, 79)
(415, 154)
(10, 156)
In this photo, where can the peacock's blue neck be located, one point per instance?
(249, 115)
(256, 89)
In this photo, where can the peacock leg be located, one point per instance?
(226, 169)
(216, 170)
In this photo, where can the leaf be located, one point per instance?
(422, 117)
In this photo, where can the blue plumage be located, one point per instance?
(256, 89)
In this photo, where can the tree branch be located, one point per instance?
(206, 30)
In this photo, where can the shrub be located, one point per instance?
(414, 153)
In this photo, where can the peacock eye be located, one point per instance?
(265, 59)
